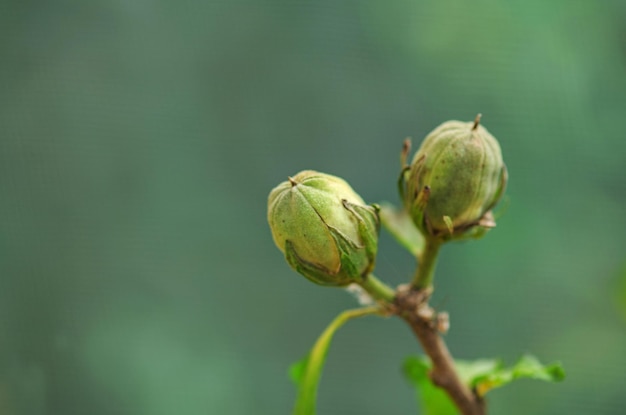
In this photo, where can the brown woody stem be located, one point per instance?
(409, 302)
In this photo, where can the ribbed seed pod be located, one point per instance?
(456, 177)
(324, 228)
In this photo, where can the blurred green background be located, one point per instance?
(139, 142)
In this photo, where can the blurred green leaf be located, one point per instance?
(296, 370)
(470, 370)
(527, 367)
(431, 399)
(482, 375)
(399, 224)
(306, 372)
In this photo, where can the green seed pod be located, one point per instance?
(456, 177)
(326, 231)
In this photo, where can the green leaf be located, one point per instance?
(431, 399)
(400, 225)
(470, 370)
(306, 372)
(481, 375)
(527, 367)
(296, 370)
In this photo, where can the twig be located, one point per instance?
(423, 279)
(410, 302)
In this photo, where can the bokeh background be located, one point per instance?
(139, 141)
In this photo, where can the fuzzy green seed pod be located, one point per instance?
(456, 177)
(326, 231)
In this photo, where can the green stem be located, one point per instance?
(311, 369)
(427, 263)
(378, 289)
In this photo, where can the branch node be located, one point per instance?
(412, 306)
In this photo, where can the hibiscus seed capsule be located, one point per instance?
(324, 228)
(456, 177)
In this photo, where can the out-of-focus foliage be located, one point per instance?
(139, 142)
(432, 400)
(482, 375)
(399, 224)
(306, 373)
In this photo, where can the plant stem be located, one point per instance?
(312, 370)
(408, 302)
(443, 373)
(427, 262)
(378, 289)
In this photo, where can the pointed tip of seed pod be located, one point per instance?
(476, 121)
(406, 145)
(404, 154)
(292, 181)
